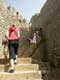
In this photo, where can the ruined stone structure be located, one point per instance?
(8, 16)
(49, 20)
(25, 69)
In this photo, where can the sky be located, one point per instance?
(26, 8)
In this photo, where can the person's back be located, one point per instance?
(13, 35)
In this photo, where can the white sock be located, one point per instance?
(12, 63)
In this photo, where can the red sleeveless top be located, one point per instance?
(13, 33)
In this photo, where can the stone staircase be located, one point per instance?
(24, 70)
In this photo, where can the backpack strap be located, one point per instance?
(16, 33)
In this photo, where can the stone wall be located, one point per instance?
(49, 20)
(8, 16)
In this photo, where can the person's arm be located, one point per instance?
(18, 34)
(7, 34)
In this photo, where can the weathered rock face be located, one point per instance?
(49, 21)
(8, 16)
(2, 5)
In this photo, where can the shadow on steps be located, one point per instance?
(5, 63)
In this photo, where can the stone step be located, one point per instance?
(24, 79)
(24, 60)
(21, 67)
(42, 65)
(24, 75)
(27, 67)
(19, 60)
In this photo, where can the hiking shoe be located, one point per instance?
(15, 61)
(11, 71)
(16, 56)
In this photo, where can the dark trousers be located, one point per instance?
(13, 48)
